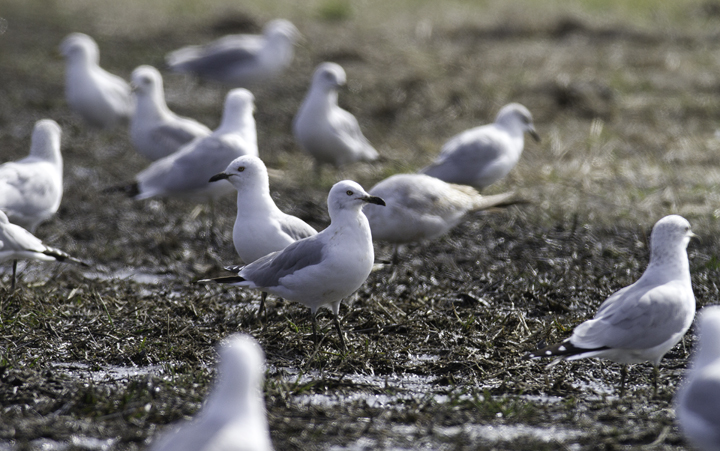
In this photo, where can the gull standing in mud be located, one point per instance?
(31, 189)
(328, 133)
(102, 99)
(155, 131)
(484, 155)
(234, 417)
(17, 243)
(322, 269)
(697, 402)
(643, 321)
(240, 60)
(420, 207)
(260, 227)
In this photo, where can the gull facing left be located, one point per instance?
(322, 269)
(17, 243)
(643, 321)
(234, 417)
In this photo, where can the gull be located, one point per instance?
(234, 417)
(16, 243)
(186, 173)
(326, 131)
(240, 60)
(643, 321)
(420, 207)
(260, 227)
(698, 399)
(322, 269)
(102, 99)
(31, 189)
(155, 131)
(484, 155)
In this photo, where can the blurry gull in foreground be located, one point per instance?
(420, 207)
(643, 321)
(260, 227)
(234, 417)
(697, 402)
(186, 173)
(484, 155)
(322, 269)
(102, 99)
(155, 131)
(240, 60)
(31, 189)
(328, 133)
(17, 243)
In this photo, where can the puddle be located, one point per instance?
(106, 373)
(132, 275)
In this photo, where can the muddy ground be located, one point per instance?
(626, 99)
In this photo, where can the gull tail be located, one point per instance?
(62, 256)
(496, 201)
(226, 279)
(130, 189)
(563, 349)
(179, 60)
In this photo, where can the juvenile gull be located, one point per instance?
(420, 207)
(102, 99)
(233, 418)
(645, 320)
(186, 173)
(322, 269)
(240, 60)
(31, 189)
(484, 155)
(155, 131)
(17, 243)
(326, 131)
(697, 402)
(260, 227)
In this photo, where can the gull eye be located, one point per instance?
(241, 168)
(349, 193)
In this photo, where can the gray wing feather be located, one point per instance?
(703, 399)
(296, 228)
(267, 271)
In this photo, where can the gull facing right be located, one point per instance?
(643, 321)
(484, 155)
(322, 269)
(155, 131)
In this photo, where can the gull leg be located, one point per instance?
(262, 310)
(12, 286)
(314, 325)
(396, 256)
(340, 333)
(656, 373)
(623, 375)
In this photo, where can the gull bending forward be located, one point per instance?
(643, 321)
(240, 60)
(697, 402)
(102, 99)
(155, 131)
(328, 133)
(31, 189)
(484, 155)
(234, 418)
(322, 269)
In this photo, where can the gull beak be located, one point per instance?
(534, 134)
(220, 176)
(691, 235)
(133, 87)
(374, 200)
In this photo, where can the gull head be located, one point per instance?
(45, 141)
(146, 80)
(517, 117)
(709, 336)
(80, 47)
(245, 172)
(349, 195)
(281, 29)
(669, 234)
(238, 103)
(329, 77)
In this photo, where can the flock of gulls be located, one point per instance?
(285, 257)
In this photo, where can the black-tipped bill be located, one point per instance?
(534, 134)
(374, 200)
(220, 176)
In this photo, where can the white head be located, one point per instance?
(328, 77)
(45, 141)
(709, 336)
(349, 196)
(669, 234)
(146, 81)
(281, 29)
(239, 103)
(247, 172)
(80, 47)
(517, 117)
